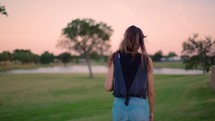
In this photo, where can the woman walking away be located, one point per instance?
(130, 77)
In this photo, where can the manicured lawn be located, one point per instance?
(74, 97)
(169, 65)
(11, 66)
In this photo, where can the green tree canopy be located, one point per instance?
(46, 58)
(25, 56)
(2, 10)
(65, 57)
(157, 56)
(5, 56)
(199, 52)
(172, 54)
(86, 36)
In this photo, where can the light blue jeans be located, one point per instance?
(137, 109)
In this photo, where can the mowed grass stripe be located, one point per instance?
(75, 97)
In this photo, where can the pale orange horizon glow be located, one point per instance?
(37, 25)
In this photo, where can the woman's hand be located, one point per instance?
(151, 117)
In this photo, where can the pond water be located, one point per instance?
(96, 69)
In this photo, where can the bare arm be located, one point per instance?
(109, 79)
(151, 93)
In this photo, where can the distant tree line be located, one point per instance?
(159, 55)
(26, 57)
(196, 54)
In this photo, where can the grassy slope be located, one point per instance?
(74, 97)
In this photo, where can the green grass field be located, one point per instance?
(11, 66)
(74, 97)
(169, 65)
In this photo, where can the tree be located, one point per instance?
(46, 58)
(5, 56)
(200, 52)
(65, 57)
(157, 56)
(95, 56)
(172, 54)
(99, 57)
(36, 58)
(85, 36)
(24, 56)
(2, 10)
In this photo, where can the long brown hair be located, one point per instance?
(132, 42)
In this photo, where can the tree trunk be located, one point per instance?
(204, 69)
(89, 66)
(5, 63)
(207, 68)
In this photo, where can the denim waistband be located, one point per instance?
(133, 101)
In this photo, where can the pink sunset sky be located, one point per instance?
(38, 24)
